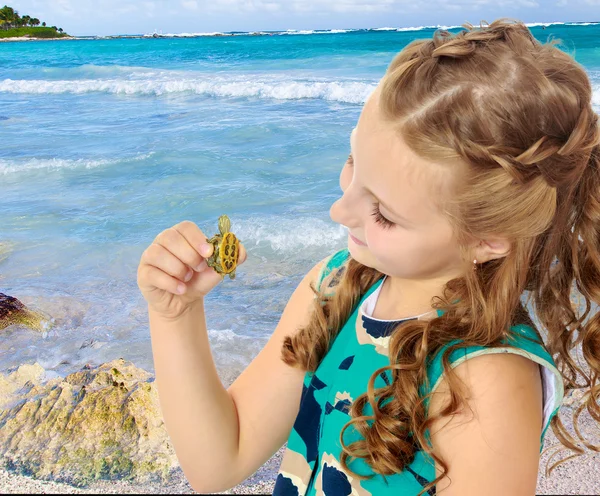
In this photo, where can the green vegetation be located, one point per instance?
(14, 25)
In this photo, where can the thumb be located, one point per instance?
(242, 255)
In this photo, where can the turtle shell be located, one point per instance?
(229, 252)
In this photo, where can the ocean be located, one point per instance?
(105, 142)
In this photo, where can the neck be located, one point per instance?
(411, 300)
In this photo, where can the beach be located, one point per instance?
(578, 476)
(134, 135)
(27, 38)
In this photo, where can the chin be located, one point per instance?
(357, 252)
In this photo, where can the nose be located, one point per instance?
(338, 210)
(335, 212)
(345, 211)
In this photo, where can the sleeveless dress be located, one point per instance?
(310, 465)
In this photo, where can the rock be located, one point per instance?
(12, 311)
(101, 422)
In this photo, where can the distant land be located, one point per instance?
(13, 25)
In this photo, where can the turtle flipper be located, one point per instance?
(232, 275)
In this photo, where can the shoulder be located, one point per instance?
(333, 268)
(498, 433)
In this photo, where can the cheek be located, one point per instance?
(380, 241)
(393, 246)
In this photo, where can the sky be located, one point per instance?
(111, 17)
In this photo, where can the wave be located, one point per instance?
(141, 82)
(14, 165)
(96, 70)
(250, 33)
(289, 233)
(184, 35)
(339, 91)
(341, 31)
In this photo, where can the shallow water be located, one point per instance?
(107, 142)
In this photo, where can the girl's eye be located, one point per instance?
(380, 219)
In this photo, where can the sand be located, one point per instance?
(577, 476)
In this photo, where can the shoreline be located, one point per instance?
(31, 38)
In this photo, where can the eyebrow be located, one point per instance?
(379, 199)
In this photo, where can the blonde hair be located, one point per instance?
(511, 119)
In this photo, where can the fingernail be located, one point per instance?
(188, 276)
(204, 249)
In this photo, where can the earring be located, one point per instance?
(475, 264)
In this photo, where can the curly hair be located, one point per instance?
(512, 119)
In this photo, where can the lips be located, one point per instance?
(357, 241)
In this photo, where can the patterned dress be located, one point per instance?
(311, 465)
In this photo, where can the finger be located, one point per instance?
(194, 236)
(159, 256)
(161, 280)
(242, 254)
(177, 243)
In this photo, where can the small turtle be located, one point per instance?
(226, 249)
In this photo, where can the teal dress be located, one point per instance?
(311, 462)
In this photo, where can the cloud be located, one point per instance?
(87, 17)
(358, 6)
(577, 3)
(190, 4)
(65, 6)
(152, 7)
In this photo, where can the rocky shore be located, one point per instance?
(580, 476)
(100, 430)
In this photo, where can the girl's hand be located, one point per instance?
(175, 258)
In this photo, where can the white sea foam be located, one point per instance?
(94, 70)
(20, 165)
(265, 87)
(337, 31)
(139, 81)
(184, 35)
(421, 28)
(285, 234)
(224, 335)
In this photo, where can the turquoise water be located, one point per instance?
(106, 142)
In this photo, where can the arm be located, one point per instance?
(496, 451)
(199, 414)
(221, 437)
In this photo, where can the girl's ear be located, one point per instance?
(491, 249)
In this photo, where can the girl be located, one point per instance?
(406, 363)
